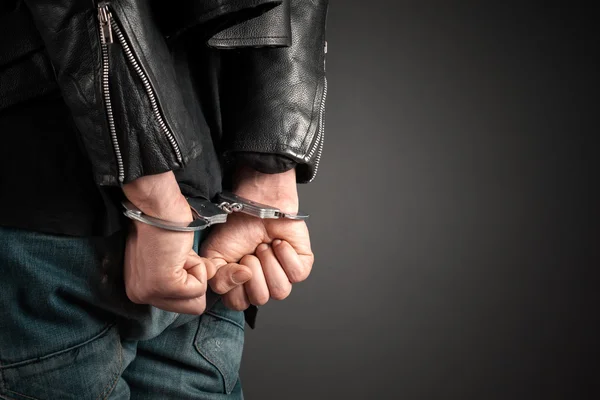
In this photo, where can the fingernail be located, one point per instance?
(276, 242)
(240, 277)
(262, 247)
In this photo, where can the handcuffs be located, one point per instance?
(206, 213)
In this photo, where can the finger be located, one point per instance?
(228, 277)
(277, 281)
(195, 266)
(194, 306)
(236, 299)
(188, 282)
(193, 281)
(212, 266)
(256, 288)
(295, 268)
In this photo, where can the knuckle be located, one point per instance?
(310, 260)
(198, 290)
(280, 293)
(296, 276)
(261, 300)
(301, 274)
(219, 286)
(201, 292)
(196, 306)
(206, 263)
(249, 259)
(306, 271)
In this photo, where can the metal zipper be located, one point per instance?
(107, 29)
(318, 145)
(105, 38)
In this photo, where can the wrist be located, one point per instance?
(278, 190)
(159, 196)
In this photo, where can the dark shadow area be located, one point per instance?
(455, 214)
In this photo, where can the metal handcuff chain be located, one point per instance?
(230, 208)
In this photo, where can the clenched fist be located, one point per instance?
(277, 251)
(161, 268)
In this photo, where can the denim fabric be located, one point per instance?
(68, 331)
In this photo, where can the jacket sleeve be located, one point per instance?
(57, 25)
(273, 98)
(120, 84)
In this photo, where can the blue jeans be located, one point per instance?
(68, 331)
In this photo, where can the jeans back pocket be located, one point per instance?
(220, 340)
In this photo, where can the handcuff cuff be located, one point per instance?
(206, 213)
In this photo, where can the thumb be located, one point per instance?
(228, 277)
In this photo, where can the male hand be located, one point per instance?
(161, 268)
(277, 251)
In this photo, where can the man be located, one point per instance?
(157, 104)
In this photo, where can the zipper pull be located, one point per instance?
(104, 17)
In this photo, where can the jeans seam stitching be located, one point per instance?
(106, 393)
(223, 375)
(57, 353)
(199, 334)
(2, 383)
(21, 394)
(110, 386)
(218, 316)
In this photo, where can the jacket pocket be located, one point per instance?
(206, 17)
(220, 340)
(271, 29)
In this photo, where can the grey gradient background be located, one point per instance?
(454, 218)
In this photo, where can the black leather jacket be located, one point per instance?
(131, 74)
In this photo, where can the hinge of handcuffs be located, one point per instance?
(230, 203)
